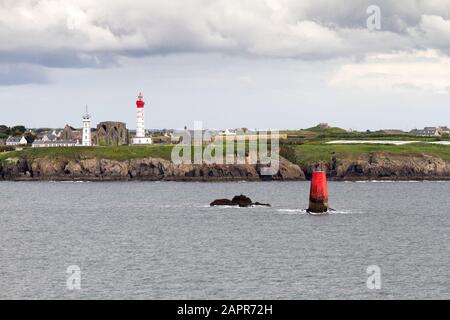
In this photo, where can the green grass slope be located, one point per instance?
(309, 153)
(113, 153)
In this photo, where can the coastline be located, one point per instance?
(224, 180)
(373, 167)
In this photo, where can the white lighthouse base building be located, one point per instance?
(141, 141)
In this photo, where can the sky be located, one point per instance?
(264, 64)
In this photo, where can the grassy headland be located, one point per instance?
(305, 147)
(310, 153)
(112, 153)
(317, 134)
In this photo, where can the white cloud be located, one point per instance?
(424, 71)
(433, 31)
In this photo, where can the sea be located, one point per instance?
(162, 240)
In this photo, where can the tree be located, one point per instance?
(39, 130)
(5, 130)
(18, 130)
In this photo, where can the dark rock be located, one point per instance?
(241, 201)
(262, 204)
(222, 202)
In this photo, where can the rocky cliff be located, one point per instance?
(137, 169)
(383, 166)
(374, 166)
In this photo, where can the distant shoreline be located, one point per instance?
(223, 181)
(342, 163)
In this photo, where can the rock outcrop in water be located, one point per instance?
(241, 201)
(93, 169)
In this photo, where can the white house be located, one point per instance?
(54, 144)
(444, 130)
(16, 141)
(49, 137)
(228, 132)
(431, 131)
(196, 136)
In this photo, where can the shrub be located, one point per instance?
(6, 148)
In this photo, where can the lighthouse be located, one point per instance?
(86, 139)
(140, 137)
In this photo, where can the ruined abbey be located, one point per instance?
(111, 133)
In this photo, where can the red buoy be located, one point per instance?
(318, 197)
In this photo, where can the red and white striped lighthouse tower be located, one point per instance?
(140, 137)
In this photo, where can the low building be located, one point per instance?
(444, 130)
(55, 144)
(70, 133)
(196, 137)
(431, 131)
(228, 132)
(426, 132)
(48, 134)
(392, 131)
(323, 126)
(175, 137)
(49, 137)
(165, 139)
(254, 136)
(16, 141)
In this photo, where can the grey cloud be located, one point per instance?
(60, 58)
(93, 33)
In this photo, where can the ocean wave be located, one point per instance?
(292, 211)
(74, 181)
(387, 181)
(304, 211)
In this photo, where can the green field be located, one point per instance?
(317, 134)
(113, 153)
(309, 153)
(101, 152)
